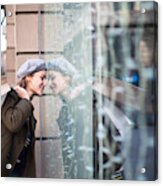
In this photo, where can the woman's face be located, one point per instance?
(58, 82)
(36, 83)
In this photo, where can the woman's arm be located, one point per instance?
(15, 111)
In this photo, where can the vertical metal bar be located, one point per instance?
(40, 102)
(141, 119)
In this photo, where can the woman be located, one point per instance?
(18, 122)
(63, 81)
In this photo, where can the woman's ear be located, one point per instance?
(28, 78)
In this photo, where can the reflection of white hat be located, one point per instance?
(30, 66)
(62, 65)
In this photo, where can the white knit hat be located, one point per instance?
(30, 66)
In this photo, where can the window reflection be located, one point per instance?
(106, 132)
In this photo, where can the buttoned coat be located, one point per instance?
(15, 112)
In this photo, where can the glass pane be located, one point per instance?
(126, 68)
(67, 32)
(108, 129)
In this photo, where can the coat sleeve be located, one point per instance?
(14, 115)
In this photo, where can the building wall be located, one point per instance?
(30, 34)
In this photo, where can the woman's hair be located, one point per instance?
(23, 82)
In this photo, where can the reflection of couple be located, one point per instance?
(18, 122)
